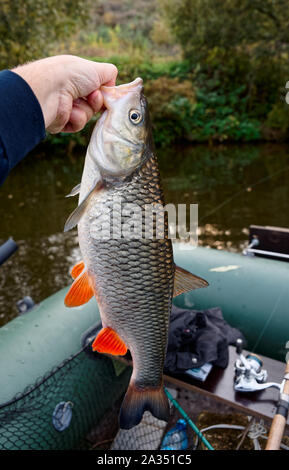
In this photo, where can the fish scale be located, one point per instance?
(132, 277)
(123, 270)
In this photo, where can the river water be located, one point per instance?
(234, 186)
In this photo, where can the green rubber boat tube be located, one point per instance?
(53, 389)
(252, 292)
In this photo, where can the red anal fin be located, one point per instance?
(108, 341)
(80, 292)
(77, 269)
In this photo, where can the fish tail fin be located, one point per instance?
(138, 400)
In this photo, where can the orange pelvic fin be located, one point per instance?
(77, 269)
(108, 341)
(80, 292)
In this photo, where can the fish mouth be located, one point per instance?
(115, 92)
(132, 86)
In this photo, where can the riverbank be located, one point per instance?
(189, 106)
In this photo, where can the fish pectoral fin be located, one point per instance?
(77, 269)
(80, 292)
(186, 281)
(108, 341)
(74, 191)
(76, 215)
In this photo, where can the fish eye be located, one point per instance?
(135, 116)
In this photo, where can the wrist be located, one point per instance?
(41, 80)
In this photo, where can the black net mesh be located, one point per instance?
(76, 406)
(88, 387)
(145, 436)
(148, 435)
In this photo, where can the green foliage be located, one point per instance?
(228, 85)
(171, 104)
(180, 109)
(221, 117)
(276, 126)
(258, 26)
(28, 28)
(238, 50)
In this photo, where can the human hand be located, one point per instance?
(67, 88)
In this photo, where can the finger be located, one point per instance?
(95, 100)
(76, 121)
(85, 76)
(83, 104)
(80, 114)
(107, 73)
(110, 83)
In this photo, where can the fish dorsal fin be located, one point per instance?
(108, 341)
(76, 215)
(186, 281)
(80, 292)
(77, 269)
(74, 191)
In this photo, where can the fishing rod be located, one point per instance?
(7, 250)
(279, 421)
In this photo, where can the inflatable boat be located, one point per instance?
(54, 390)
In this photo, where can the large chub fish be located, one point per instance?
(133, 278)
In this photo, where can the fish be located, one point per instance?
(133, 279)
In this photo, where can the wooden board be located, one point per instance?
(219, 385)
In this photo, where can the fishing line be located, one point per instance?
(274, 310)
(262, 180)
(189, 421)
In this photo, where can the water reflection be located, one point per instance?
(234, 187)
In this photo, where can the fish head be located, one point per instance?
(123, 131)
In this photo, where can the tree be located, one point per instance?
(256, 27)
(235, 45)
(28, 28)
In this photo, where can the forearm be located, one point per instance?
(21, 121)
(59, 94)
(45, 83)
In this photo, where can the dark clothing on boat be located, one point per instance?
(21, 121)
(197, 337)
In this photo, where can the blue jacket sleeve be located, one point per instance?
(21, 121)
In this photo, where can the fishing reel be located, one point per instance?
(249, 375)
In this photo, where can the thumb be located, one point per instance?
(88, 76)
(107, 73)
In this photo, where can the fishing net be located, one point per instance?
(59, 410)
(147, 435)
(76, 406)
